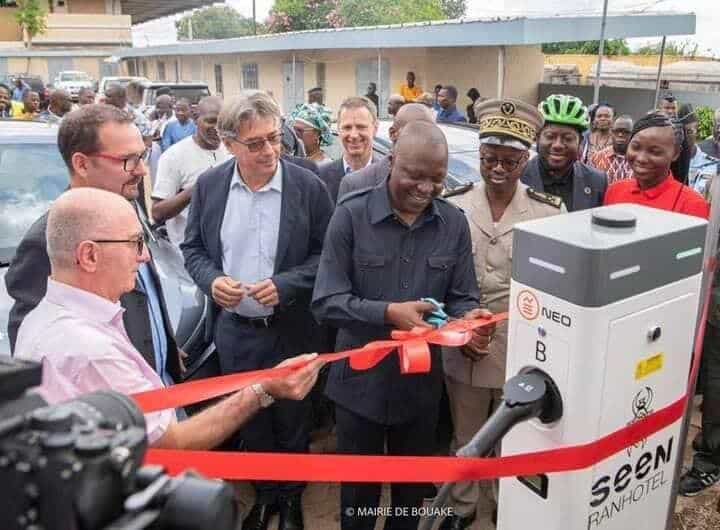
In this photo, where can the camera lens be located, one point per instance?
(113, 407)
(199, 503)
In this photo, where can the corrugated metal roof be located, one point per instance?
(509, 31)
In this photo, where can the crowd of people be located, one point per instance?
(299, 253)
(442, 101)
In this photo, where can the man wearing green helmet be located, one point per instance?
(556, 169)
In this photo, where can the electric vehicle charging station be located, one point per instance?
(604, 302)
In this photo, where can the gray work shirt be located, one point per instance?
(249, 236)
(371, 258)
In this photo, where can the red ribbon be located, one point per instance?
(379, 469)
(412, 349)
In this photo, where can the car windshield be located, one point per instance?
(31, 177)
(74, 76)
(463, 146)
(123, 82)
(194, 94)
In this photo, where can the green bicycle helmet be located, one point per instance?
(565, 110)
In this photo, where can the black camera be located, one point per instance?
(77, 466)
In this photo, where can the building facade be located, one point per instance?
(346, 72)
(80, 34)
(501, 57)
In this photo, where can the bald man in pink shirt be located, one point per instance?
(95, 246)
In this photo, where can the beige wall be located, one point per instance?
(89, 65)
(33, 65)
(586, 62)
(463, 67)
(76, 29)
(85, 6)
(523, 72)
(9, 29)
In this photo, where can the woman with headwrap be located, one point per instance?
(654, 147)
(311, 123)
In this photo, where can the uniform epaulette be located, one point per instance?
(457, 191)
(355, 193)
(545, 198)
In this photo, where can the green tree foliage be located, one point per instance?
(454, 8)
(686, 48)
(298, 15)
(363, 13)
(215, 22)
(705, 122)
(589, 47)
(32, 18)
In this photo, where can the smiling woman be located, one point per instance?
(652, 149)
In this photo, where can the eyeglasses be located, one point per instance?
(139, 242)
(506, 163)
(256, 146)
(130, 163)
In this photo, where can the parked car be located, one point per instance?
(191, 90)
(73, 81)
(34, 81)
(122, 81)
(463, 148)
(32, 175)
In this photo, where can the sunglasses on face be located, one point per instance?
(255, 146)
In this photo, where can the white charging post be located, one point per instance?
(605, 302)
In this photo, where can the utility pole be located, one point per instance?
(659, 72)
(601, 52)
(190, 31)
(254, 19)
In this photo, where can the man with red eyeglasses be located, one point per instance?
(103, 149)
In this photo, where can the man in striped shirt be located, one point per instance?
(612, 160)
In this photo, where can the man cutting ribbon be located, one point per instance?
(385, 249)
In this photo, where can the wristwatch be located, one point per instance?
(264, 398)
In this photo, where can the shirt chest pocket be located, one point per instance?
(438, 274)
(370, 276)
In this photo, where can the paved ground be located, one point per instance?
(321, 501)
(701, 512)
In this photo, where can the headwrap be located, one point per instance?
(316, 116)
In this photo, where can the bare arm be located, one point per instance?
(215, 424)
(164, 209)
(212, 426)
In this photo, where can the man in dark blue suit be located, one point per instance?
(556, 169)
(253, 241)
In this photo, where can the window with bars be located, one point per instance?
(219, 79)
(250, 76)
(132, 67)
(161, 71)
(144, 67)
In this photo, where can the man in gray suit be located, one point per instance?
(357, 126)
(376, 172)
(103, 149)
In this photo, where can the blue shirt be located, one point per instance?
(157, 325)
(702, 170)
(450, 114)
(249, 236)
(176, 131)
(18, 93)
